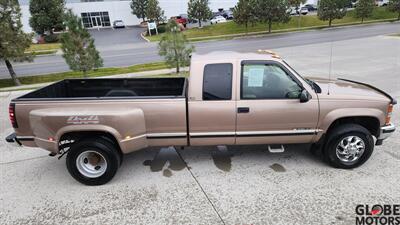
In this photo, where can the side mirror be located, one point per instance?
(304, 96)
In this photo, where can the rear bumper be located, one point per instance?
(12, 138)
(31, 141)
(385, 132)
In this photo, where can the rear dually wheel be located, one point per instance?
(93, 161)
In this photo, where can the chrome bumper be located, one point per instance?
(385, 132)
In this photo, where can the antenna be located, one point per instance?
(330, 68)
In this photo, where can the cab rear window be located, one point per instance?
(217, 82)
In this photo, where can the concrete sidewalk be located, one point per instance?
(126, 75)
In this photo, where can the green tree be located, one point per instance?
(364, 9)
(46, 15)
(272, 11)
(139, 8)
(78, 46)
(154, 11)
(243, 13)
(199, 10)
(13, 41)
(174, 47)
(331, 9)
(394, 6)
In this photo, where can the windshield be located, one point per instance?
(312, 84)
(287, 64)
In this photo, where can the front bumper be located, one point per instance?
(385, 132)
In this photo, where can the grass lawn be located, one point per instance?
(44, 47)
(306, 22)
(166, 75)
(96, 73)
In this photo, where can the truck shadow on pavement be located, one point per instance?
(169, 159)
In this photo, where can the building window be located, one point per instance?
(95, 19)
(217, 82)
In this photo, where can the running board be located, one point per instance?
(276, 148)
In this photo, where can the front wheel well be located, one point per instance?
(368, 122)
(68, 139)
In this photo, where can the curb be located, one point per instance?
(45, 52)
(289, 30)
(24, 87)
(142, 35)
(292, 30)
(310, 29)
(366, 23)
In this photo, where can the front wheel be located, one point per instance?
(93, 161)
(348, 146)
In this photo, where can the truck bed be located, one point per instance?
(110, 88)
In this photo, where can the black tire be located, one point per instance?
(337, 135)
(111, 142)
(98, 146)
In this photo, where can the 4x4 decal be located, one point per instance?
(93, 119)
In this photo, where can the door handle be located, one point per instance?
(243, 110)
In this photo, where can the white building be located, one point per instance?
(102, 13)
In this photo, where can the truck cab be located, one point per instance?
(244, 99)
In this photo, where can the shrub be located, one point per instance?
(52, 38)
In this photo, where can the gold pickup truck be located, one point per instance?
(229, 99)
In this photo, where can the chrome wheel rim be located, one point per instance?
(91, 164)
(350, 149)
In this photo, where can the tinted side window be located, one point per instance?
(267, 81)
(217, 82)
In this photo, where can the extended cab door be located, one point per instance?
(212, 105)
(268, 107)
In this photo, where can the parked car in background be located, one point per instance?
(118, 24)
(218, 19)
(303, 11)
(381, 2)
(311, 7)
(180, 20)
(228, 14)
(296, 11)
(292, 11)
(215, 14)
(185, 16)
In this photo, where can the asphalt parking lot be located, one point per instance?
(234, 185)
(120, 36)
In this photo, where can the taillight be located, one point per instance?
(389, 114)
(11, 113)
